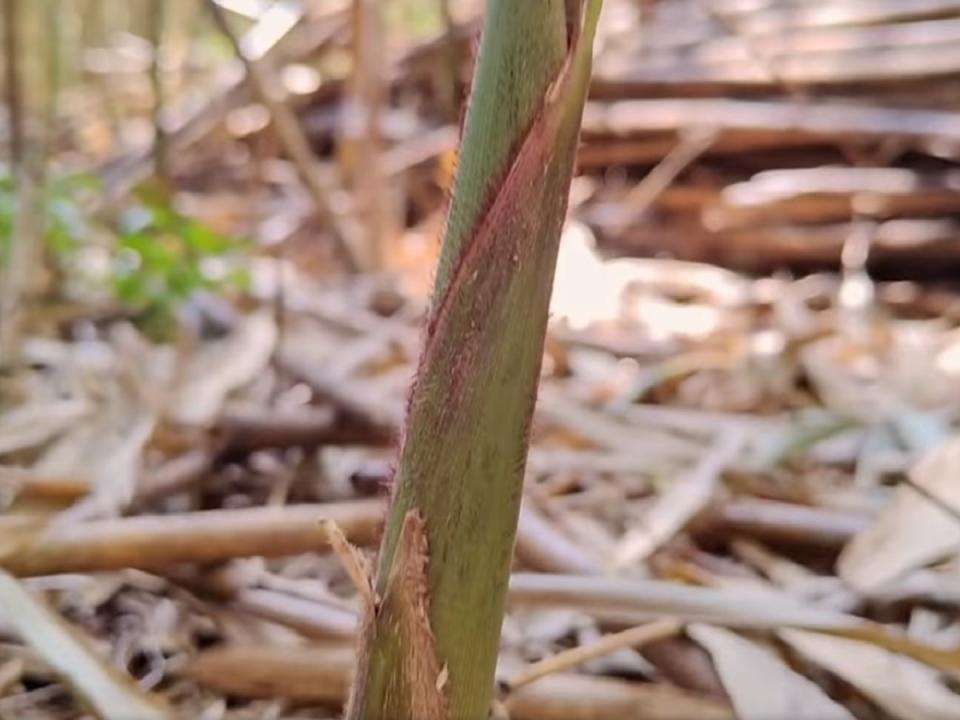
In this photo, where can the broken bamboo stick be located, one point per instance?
(156, 541)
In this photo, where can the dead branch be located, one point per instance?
(295, 142)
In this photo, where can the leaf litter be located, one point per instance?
(758, 472)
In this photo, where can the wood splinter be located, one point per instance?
(403, 612)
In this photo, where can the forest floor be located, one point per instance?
(741, 496)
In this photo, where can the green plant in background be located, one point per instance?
(163, 257)
(155, 257)
(66, 223)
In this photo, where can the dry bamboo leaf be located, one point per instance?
(762, 686)
(112, 695)
(903, 687)
(674, 508)
(33, 424)
(912, 531)
(589, 289)
(222, 366)
(107, 452)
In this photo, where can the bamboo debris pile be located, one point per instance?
(815, 116)
(740, 497)
(822, 113)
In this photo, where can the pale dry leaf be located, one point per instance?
(35, 423)
(874, 382)
(848, 379)
(222, 366)
(679, 503)
(903, 687)
(106, 452)
(762, 686)
(912, 531)
(112, 695)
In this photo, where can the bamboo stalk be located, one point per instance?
(11, 61)
(156, 27)
(362, 135)
(448, 543)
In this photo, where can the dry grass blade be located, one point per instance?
(903, 687)
(112, 695)
(760, 684)
(356, 565)
(781, 522)
(686, 497)
(19, 484)
(568, 659)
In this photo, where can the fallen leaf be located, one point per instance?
(107, 452)
(903, 687)
(760, 684)
(33, 424)
(679, 503)
(912, 531)
(221, 366)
